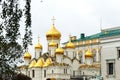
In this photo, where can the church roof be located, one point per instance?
(85, 66)
(104, 33)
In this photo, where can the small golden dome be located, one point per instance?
(39, 63)
(38, 46)
(89, 54)
(53, 44)
(59, 50)
(70, 45)
(48, 62)
(27, 55)
(32, 64)
(53, 33)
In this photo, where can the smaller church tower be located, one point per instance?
(53, 34)
(52, 48)
(70, 49)
(38, 49)
(59, 54)
(27, 58)
(89, 57)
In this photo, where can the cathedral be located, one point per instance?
(94, 57)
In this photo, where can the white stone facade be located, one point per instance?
(103, 60)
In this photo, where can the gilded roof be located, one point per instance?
(85, 66)
(48, 62)
(40, 62)
(32, 64)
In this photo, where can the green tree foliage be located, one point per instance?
(10, 49)
(27, 40)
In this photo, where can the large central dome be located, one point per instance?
(53, 33)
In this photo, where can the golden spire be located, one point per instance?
(38, 39)
(38, 45)
(53, 20)
(70, 44)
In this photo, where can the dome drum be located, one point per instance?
(49, 37)
(52, 44)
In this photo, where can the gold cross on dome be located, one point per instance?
(70, 37)
(53, 19)
(38, 38)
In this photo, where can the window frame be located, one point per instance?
(33, 73)
(108, 62)
(45, 73)
(118, 53)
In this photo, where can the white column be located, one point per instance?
(27, 61)
(84, 78)
(97, 55)
(83, 56)
(52, 51)
(77, 56)
(70, 53)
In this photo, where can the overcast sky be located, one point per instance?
(72, 17)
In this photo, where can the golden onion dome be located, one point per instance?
(59, 50)
(89, 54)
(38, 46)
(32, 64)
(27, 55)
(53, 33)
(39, 63)
(48, 62)
(53, 44)
(70, 45)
